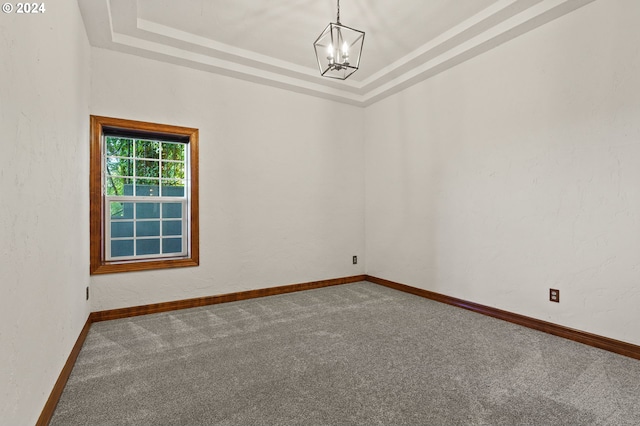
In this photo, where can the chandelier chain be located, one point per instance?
(338, 18)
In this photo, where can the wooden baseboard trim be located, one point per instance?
(54, 397)
(211, 300)
(611, 345)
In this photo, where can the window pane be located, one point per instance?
(151, 246)
(173, 151)
(148, 229)
(119, 166)
(171, 210)
(147, 149)
(121, 210)
(147, 168)
(147, 210)
(172, 188)
(119, 186)
(121, 248)
(171, 227)
(147, 188)
(121, 229)
(173, 170)
(120, 147)
(171, 245)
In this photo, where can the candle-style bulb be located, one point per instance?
(330, 53)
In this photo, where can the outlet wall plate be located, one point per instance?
(554, 295)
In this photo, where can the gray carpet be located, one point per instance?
(351, 354)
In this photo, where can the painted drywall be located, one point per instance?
(517, 172)
(281, 180)
(44, 224)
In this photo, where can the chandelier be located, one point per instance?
(338, 50)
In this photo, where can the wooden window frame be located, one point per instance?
(98, 264)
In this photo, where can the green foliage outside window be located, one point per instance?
(150, 168)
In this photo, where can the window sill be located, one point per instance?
(137, 265)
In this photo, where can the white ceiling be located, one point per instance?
(271, 41)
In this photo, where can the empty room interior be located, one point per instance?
(480, 167)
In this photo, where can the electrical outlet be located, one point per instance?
(355, 260)
(554, 295)
(87, 292)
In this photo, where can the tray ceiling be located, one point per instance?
(270, 41)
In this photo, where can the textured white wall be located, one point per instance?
(281, 180)
(44, 219)
(519, 171)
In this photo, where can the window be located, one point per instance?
(144, 196)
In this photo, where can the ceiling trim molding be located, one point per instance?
(123, 30)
